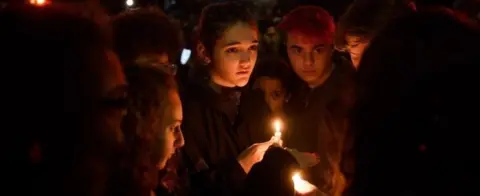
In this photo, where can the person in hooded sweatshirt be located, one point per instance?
(219, 149)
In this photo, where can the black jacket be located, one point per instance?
(317, 121)
(215, 134)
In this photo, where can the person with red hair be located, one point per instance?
(320, 94)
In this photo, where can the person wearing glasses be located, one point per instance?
(147, 37)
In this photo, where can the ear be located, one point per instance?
(202, 53)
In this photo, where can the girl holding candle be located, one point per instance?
(219, 150)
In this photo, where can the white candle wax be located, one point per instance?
(277, 124)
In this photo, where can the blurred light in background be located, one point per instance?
(186, 53)
(129, 3)
(38, 2)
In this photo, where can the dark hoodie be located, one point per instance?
(317, 119)
(215, 134)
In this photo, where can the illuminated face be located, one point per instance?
(271, 36)
(310, 57)
(234, 56)
(356, 46)
(170, 136)
(274, 93)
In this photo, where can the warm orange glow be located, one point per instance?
(277, 126)
(38, 2)
(301, 186)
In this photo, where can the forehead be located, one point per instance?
(273, 82)
(301, 39)
(352, 39)
(271, 30)
(240, 32)
(174, 105)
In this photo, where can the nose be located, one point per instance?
(179, 140)
(245, 59)
(308, 59)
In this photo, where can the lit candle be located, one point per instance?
(277, 125)
(302, 186)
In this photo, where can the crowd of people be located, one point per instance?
(374, 103)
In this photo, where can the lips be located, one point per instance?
(309, 71)
(245, 72)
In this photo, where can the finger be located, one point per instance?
(265, 145)
(262, 149)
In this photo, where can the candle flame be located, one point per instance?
(296, 177)
(277, 124)
(301, 186)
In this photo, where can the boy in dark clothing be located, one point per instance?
(321, 95)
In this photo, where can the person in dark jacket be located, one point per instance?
(218, 144)
(321, 94)
(416, 88)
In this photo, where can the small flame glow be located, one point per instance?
(38, 2)
(301, 186)
(277, 124)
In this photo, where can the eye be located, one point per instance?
(253, 48)
(296, 50)
(232, 50)
(353, 45)
(276, 93)
(319, 49)
(175, 128)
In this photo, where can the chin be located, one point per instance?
(241, 83)
(310, 78)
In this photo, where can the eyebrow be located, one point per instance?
(295, 46)
(236, 43)
(319, 45)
